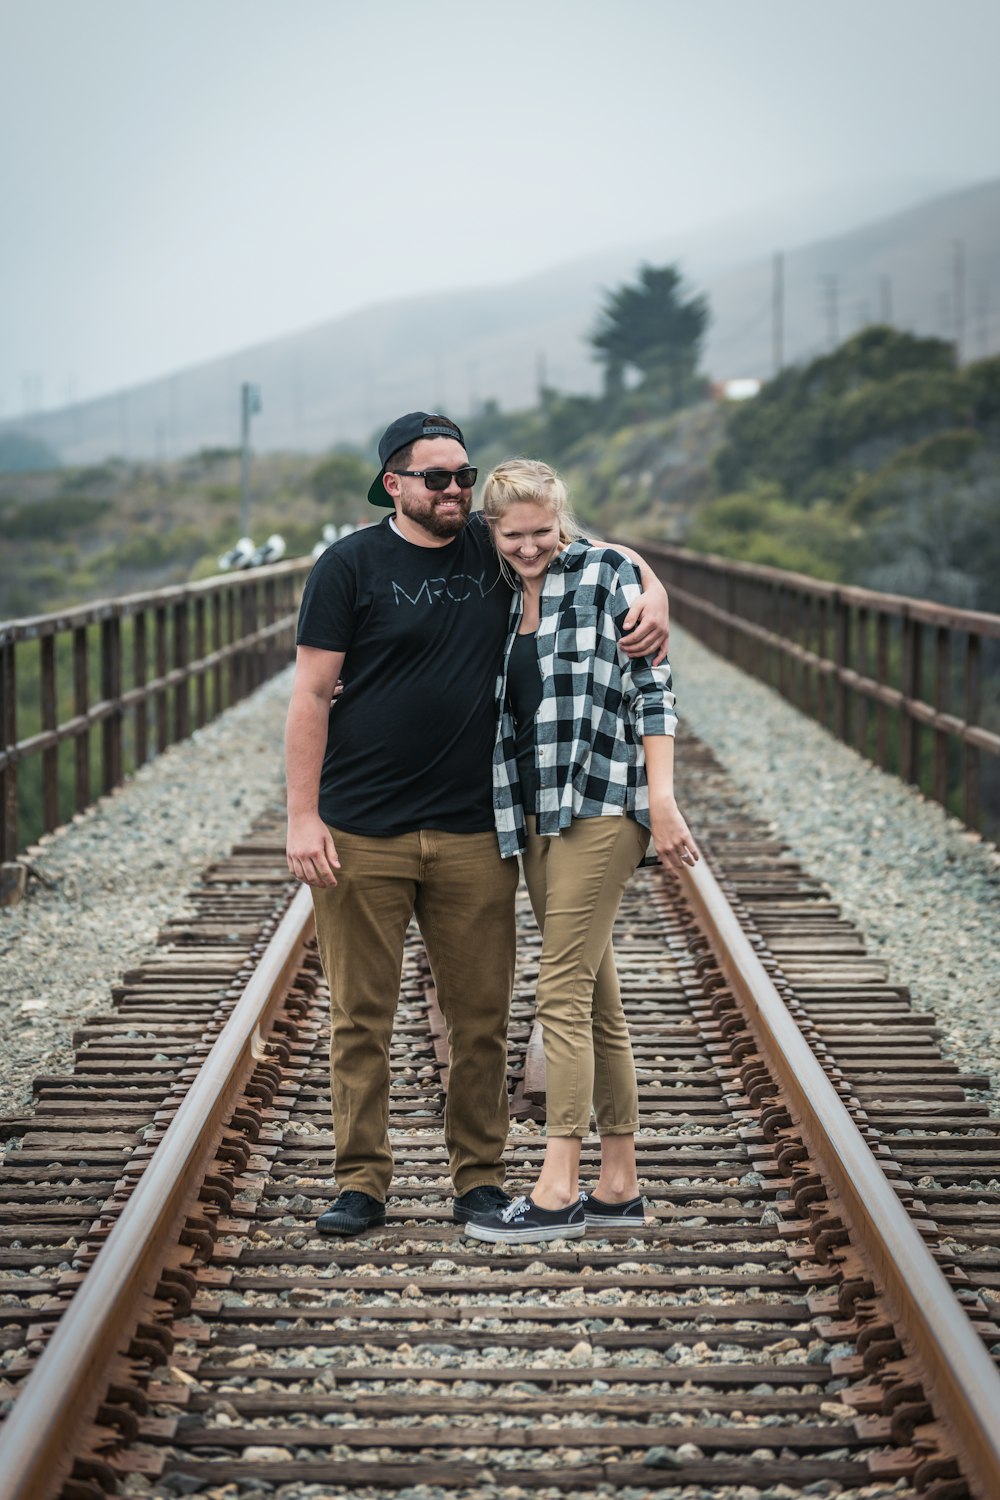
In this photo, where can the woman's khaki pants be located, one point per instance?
(576, 880)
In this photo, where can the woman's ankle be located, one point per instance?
(550, 1195)
(617, 1191)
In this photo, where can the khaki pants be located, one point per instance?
(462, 894)
(576, 881)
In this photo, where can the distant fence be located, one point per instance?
(912, 685)
(88, 695)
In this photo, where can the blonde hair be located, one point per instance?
(517, 480)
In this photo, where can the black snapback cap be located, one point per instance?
(405, 430)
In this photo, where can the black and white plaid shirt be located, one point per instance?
(597, 703)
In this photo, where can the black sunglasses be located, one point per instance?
(439, 479)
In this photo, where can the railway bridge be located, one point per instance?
(811, 1307)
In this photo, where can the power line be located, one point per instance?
(958, 266)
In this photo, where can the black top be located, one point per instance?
(524, 694)
(410, 740)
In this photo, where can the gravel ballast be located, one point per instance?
(924, 894)
(119, 873)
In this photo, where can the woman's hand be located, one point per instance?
(672, 838)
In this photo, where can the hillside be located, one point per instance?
(454, 350)
(877, 464)
(77, 535)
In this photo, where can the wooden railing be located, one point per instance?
(90, 694)
(912, 685)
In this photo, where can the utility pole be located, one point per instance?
(958, 309)
(249, 406)
(123, 435)
(173, 424)
(541, 377)
(885, 300)
(778, 314)
(983, 319)
(831, 293)
(297, 394)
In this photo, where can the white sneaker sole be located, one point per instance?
(525, 1236)
(607, 1221)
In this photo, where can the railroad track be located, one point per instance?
(800, 1134)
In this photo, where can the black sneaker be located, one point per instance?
(351, 1213)
(613, 1215)
(523, 1223)
(478, 1201)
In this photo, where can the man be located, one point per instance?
(390, 806)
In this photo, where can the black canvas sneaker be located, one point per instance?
(612, 1215)
(352, 1213)
(523, 1223)
(486, 1199)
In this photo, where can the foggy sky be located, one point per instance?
(182, 179)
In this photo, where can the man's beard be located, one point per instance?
(426, 515)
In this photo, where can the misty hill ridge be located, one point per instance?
(452, 350)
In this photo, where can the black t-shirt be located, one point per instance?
(411, 738)
(524, 694)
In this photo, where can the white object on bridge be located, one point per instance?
(271, 551)
(239, 556)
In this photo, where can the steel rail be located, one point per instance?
(41, 1435)
(962, 1381)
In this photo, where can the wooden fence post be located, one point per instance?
(49, 722)
(942, 696)
(841, 657)
(971, 753)
(81, 703)
(140, 676)
(182, 658)
(909, 728)
(882, 677)
(861, 707)
(8, 745)
(111, 687)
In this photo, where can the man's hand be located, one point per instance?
(311, 852)
(647, 626)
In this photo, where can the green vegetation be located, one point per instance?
(889, 457)
(649, 423)
(62, 514)
(74, 535)
(650, 328)
(877, 464)
(337, 483)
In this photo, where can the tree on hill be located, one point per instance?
(649, 326)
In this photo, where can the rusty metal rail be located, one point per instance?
(66, 1387)
(116, 682)
(789, 1099)
(900, 680)
(962, 1380)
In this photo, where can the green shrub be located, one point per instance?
(54, 517)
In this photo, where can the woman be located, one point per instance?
(583, 773)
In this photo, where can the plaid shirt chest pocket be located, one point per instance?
(576, 634)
